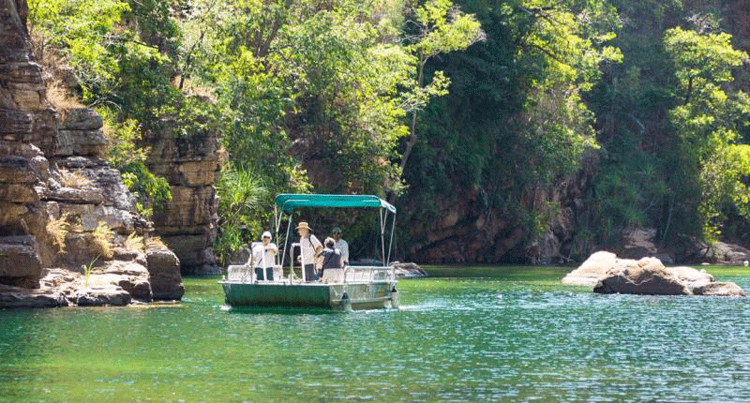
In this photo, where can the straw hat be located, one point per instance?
(303, 224)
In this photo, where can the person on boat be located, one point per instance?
(311, 248)
(341, 245)
(331, 256)
(264, 257)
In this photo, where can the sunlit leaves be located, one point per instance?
(307, 80)
(569, 40)
(83, 30)
(708, 120)
(701, 60)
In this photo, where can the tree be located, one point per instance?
(306, 84)
(709, 121)
(439, 27)
(515, 122)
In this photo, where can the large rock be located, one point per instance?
(592, 270)
(17, 297)
(130, 276)
(692, 277)
(75, 184)
(648, 275)
(195, 253)
(164, 268)
(648, 279)
(20, 264)
(721, 252)
(720, 290)
(188, 223)
(103, 295)
(408, 270)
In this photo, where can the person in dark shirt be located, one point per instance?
(331, 256)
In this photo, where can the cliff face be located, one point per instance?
(59, 200)
(187, 224)
(27, 127)
(466, 230)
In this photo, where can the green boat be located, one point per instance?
(352, 287)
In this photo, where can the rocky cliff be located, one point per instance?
(467, 229)
(61, 205)
(188, 223)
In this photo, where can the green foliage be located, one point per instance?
(87, 268)
(708, 122)
(439, 28)
(150, 191)
(515, 121)
(241, 201)
(122, 138)
(336, 96)
(304, 84)
(82, 30)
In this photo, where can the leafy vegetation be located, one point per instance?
(427, 102)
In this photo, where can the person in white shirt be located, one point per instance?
(311, 248)
(340, 244)
(264, 257)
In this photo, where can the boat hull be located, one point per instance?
(341, 296)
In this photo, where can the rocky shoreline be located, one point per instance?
(114, 283)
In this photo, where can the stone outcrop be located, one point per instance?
(592, 269)
(61, 205)
(164, 269)
(721, 252)
(408, 270)
(20, 264)
(188, 223)
(609, 274)
(18, 297)
(119, 284)
(107, 295)
(645, 277)
(465, 227)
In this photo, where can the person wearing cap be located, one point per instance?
(264, 253)
(340, 244)
(311, 248)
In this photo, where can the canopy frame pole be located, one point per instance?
(383, 222)
(390, 243)
(286, 238)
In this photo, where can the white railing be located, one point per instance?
(368, 273)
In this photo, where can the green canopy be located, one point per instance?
(289, 202)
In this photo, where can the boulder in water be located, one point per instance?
(609, 274)
(408, 270)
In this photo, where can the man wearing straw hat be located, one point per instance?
(311, 248)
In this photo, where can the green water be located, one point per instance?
(467, 334)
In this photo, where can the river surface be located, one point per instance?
(464, 334)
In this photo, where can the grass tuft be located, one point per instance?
(74, 179)
(155, 242)
(58, 230)
(135, 242)
(103, 237)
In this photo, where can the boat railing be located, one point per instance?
(348, 274)
(247, 274)
(368, 273)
